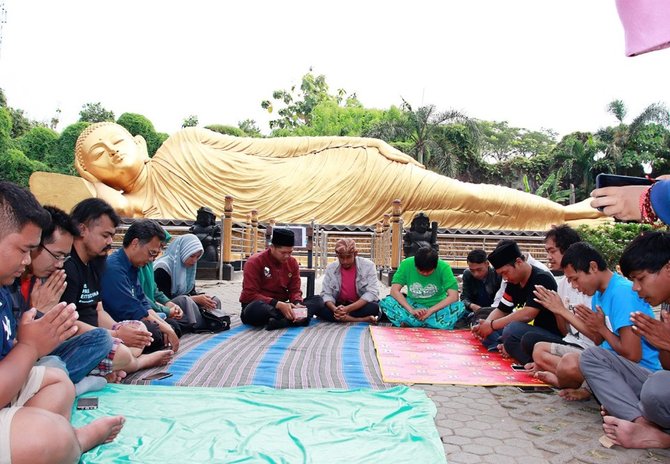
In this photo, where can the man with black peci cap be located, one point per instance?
(510, 326)
(271, 295)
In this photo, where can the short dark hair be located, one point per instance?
(425, 259)
(477, 256)
(19, 207)
(649, 251)
(92, 209)
(563, 236)
(59, 220)
(579, 255)
(144, 230)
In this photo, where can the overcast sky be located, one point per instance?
(534, 63)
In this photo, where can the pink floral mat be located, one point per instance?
(409, 355)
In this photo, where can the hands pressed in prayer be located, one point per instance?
(45, 295)
(45, 333)
(594, 320)
(549, 299)
(657, 332)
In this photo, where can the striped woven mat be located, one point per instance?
(322, 355)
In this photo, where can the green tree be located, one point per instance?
(38, 143)
(20, 123)
(330, 119)
(577, 155)
(190, 121)
(94, 112)
(250, 128)
(298, 104)
(138, 124)
(499, 141)
(621, 151)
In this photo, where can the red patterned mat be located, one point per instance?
(408, 355)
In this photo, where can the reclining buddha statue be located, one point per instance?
(332, 180)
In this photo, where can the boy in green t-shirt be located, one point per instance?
(432, 293)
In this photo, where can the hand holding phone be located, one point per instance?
(619, 196)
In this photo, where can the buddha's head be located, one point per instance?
(106, 152)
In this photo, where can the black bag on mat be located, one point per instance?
(213, 321)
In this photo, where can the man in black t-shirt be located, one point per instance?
(97, 224)
(509, 326)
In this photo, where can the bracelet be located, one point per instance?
(646, 210)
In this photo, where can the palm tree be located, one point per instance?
(418, 132)
(619, 139)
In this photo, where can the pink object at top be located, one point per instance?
(646, 24)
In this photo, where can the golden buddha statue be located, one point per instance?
(333, 180)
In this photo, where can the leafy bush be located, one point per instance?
(611, 239)
(226, 130)
(137, 124)
(38, 143)
(61, 159)
(17, 167)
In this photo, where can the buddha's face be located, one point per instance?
(113, 156)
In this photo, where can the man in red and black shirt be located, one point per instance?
(271, 295)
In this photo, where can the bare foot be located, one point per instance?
(547, 377)
(603, 411)
(638, 434)
(116, 376)
(575, 394)
(348, 318)
(157, 358)
(530, 367)
(99, 431)
(501, 349)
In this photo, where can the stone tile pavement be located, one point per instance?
(502, 425)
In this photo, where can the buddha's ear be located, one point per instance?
(142, 144)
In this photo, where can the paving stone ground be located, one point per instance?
(502, 425)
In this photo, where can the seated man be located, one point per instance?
(42, 285)
(121, 292)
(432, 290)
(480, 284)
(510, 326)
(635, 397)
(36, 401)
(548, 358)
(271, 296)
(350, 288)
(97, 223)
(609, 318)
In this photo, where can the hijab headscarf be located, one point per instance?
(172, 262)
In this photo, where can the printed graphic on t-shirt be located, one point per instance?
(419, 291)
(87, 296)
(7, 326)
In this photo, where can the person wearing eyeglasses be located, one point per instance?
(120, 289)
(41, 287)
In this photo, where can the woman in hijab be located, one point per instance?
(175, 272)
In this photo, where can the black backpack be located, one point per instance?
(212, 323)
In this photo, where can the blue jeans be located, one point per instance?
(519, 339)
(82, 353)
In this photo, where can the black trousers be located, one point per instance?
(258, 313)
(369, 309)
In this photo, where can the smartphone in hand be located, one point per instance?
(613, 180)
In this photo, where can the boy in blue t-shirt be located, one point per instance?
(608, 319)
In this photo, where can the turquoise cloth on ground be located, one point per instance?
(264, 425)
(445, 318)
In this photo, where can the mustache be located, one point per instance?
(107, 248)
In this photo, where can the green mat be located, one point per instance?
(264, 425)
